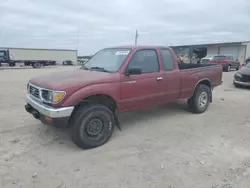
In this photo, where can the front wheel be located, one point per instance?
(92, 126)
(200, 100)
(236, 85)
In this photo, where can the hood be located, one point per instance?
(73, 80)
(244, 70)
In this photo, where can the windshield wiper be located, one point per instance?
(99, 68)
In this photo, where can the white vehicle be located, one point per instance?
(207, 59)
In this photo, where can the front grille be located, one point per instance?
(245, 78)
(34, 91)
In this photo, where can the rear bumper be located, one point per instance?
(242, 83)
(56, 117)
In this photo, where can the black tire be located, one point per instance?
(194, 103)
(236, 85)
(83, 131)
(36, 65)
(12, 64)
(238, 67)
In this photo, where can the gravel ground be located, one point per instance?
(164, 147)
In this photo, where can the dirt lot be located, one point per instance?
(164, 147)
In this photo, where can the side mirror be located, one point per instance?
(133, 71)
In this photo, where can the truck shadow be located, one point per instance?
(62, 137)
(163, 111)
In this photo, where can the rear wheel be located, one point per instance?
(200, 101)
(92, 126)
(37, 65)
(238, 67)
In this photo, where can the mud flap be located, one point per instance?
(117, 122)
(211, 96)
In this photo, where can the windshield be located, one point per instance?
(219, 57)
(248, 65)
(2, 53)
(108, 60)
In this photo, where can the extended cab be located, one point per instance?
(115, 80)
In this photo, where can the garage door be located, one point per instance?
(230, 50)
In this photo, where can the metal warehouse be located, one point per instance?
(58, 55)
(240, 50)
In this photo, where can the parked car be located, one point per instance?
(206, 60)
(228, 62)
(242, 76)
(68, 62)
(115, 80)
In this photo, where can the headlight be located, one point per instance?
(238, 74)
(53, 97)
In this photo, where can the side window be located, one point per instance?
(230, 58)
(167, 58)
(146, 60)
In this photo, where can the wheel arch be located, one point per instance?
(206, 82)
(103, 99)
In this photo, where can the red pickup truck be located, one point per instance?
(115, 80)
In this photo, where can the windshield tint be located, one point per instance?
(219, 57)
(108, 60)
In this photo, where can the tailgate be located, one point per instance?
(221, 62)
(220, 59)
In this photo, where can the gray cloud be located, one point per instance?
(97, 24)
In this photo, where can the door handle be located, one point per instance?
(159, 78)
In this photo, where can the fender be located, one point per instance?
(207, 82)
(109, 89)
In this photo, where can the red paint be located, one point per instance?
(130, 92)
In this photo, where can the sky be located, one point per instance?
(89, 25)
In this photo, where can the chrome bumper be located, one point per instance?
(50, 111)
(242, 83)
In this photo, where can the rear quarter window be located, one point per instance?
(167, 58)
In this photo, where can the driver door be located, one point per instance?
(139, 91)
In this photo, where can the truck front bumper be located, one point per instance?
(56, 117)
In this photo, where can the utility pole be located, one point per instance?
(136, 37)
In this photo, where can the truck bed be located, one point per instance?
(183, 66)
